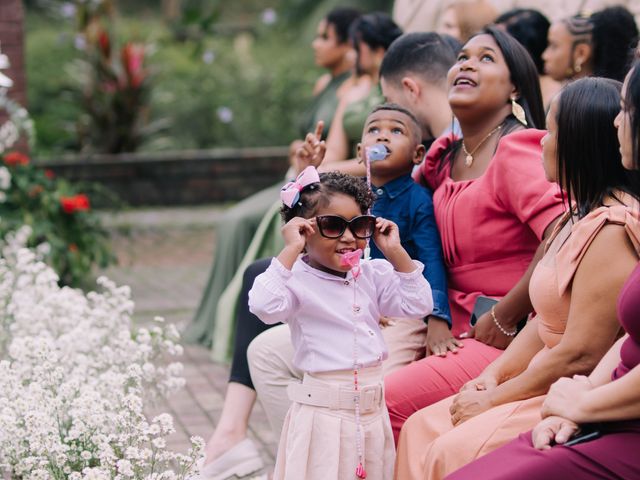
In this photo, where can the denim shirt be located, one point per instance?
(410, 206)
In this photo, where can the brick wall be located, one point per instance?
(177, 178)
(12, 45)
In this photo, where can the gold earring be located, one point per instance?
(518, 112)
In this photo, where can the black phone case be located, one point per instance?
(483, 305)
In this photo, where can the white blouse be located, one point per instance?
(318, 306)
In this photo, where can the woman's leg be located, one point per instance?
(240, 395)
(433, 378)
(612, 456)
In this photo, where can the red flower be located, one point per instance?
(132, 58)
(76, 203)
(16, 158)
(49, 174)
(104, 43)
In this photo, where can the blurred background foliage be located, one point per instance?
(217, 73)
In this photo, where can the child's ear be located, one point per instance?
(359, 152)
(419, 154)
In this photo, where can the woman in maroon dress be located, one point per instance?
(591, 425)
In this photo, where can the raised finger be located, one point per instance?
(319, 128)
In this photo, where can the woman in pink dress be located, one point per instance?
(592, 425)
(493, 207)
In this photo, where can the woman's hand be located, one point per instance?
(552, 430)
(469, 403)
(486, 331)
(484, 382)
(564, 398)
(439, 339)
(312, 150)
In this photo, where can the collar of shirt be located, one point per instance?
(319, 273)
(395, 187)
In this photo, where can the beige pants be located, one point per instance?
(271, 352)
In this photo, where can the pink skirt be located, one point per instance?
(319, 443)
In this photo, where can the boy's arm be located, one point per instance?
(429, 251)
(425, 233)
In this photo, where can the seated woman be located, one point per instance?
(602, 412)
(493, 206)
(576, 321)
(591, 44)
(371, 35)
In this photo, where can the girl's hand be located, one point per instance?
(387, 236)
(439, 338)
(296, 231)
(469, 403)
(552, 430)
(564, 398)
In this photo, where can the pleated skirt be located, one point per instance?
(319, 443)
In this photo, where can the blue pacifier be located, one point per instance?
(377, 152)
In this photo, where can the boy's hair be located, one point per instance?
(414, 125)
(318, 194)
(428, 55)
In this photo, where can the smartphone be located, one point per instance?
(587, 432)
(483, 305)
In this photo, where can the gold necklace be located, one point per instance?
(468, 160)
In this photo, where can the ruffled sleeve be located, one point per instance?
(585, 230)
(429, 172)
(518, 181)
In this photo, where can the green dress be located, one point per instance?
(356, 113)
(246, 232)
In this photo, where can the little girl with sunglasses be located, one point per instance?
(337, 426)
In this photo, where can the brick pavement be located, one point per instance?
(165, 256)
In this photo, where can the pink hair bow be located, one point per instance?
(290, 193)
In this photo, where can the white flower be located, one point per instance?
(75, 376)
(269, 16)
(208, 56)
(225, 114)
(5, 178)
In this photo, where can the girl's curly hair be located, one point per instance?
(318, 195)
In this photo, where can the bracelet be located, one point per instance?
(500, 327)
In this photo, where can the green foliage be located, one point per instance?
(58, 213)
(222, 75)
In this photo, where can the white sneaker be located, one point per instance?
(239, 461)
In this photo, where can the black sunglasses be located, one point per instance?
(333, 226)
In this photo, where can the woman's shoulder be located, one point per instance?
(430, 172)
(613, 225)
(520, 142)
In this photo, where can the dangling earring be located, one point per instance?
(577, 68)
(518, 112)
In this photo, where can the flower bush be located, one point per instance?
(75, 376)
(59, 214)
